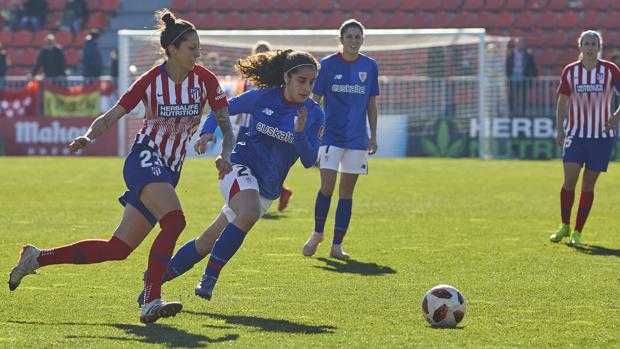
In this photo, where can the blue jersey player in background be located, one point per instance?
(286, 125)
(348, 84)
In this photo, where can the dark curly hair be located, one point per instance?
(173, 31)
(267, 69)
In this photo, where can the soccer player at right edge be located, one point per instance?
(348, 83)
(585, 91)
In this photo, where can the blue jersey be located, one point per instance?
(271, 145)
(346, 87)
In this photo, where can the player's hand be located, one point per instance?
(372, 146)
(79, 143)
(612, 123)
(300, 119)
(560, 137)
(201, 145)
(223, 165)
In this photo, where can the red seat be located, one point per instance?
(472, 4)
(335, 19)
(52, 21)
(13, 54)
(451, 5)
(378, 20)
(600, 4)
(64, 38)
(526, 20)
(17, 71)
(557, 5)
(315, 20)
(485, 19)
(464, 19)
(609, 20)
(6, 37)
(493, 5)
(29, 56)
(230, 20)
(442, 19)
(93, 5)
(97, 20)
(212, 20)
(421, 19)
(548, 56)
(536, 38)
(181, 5)
(548, 20)
(253, 20)
(504, 20)
(568, 20)
(56, 5)
(430, 6)
(591, 19)
(399, 19)
(559, 39)
(273, 20)
(39, 38)
(514, 4)
(109, 5)
(22, 38)
(410, 5)
(348, 5)
(72, 56)
(295, 20)
(388, 5)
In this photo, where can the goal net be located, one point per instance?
(440, 88)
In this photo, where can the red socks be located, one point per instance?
(567, 197)
(86, 252)
(585, 203)
(172, 225)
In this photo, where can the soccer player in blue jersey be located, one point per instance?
(348, 85)
(286, 125)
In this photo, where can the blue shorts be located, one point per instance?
(595, 153)
(143, 166)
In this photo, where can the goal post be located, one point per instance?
(440, 88)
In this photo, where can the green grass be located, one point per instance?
(481, 226)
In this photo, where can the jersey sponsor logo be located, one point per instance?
(338, 77)
(178, 110)
(220, 93)
(194, 92)
(584, 88)
(600, 77)
(156, 171)
(349, 89)
(362, 75)
(268, 111)
(275, 133)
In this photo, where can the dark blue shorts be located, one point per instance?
(595, 153)
(143, 166)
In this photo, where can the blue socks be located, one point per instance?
(343, 217)
(183, 260)
(225, 247)
(321, 209)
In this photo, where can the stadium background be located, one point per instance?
(549, 28)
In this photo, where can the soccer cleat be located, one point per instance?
(312, 244)
(563, 231)
(338, 253)
(27, 264)
(157, 308)
(285, 195)
(204, 289)
(575, 238)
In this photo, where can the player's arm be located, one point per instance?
(612, 123)
(560, 115)
(371, 110)
(308, 137)
(97, 128)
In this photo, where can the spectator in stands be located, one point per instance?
(520, 70)
(114, 63)
(91, 56)
(51, 58)
(74, 15)
(35, 12)
(347, 84)
(584, 96)
(12, 15)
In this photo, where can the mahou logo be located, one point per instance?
(32, 132)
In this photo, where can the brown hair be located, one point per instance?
(348, 24)
(267, 69)
(173, 31)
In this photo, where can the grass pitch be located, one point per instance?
(481, 226)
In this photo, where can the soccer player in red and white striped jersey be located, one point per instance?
(586, 95)
(174, 94)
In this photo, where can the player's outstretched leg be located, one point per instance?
(312, 244)
(205, 287)
(338, 253)
(563, 231)
(27, 264)
(157, 308)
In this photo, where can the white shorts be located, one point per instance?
(240, 178)
(352, 161)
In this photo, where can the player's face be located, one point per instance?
(187, 53)
(299, 85)
(351, 40)
(589, 47)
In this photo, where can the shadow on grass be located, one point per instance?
(268, 325)
(150, 334)
(354, 267)
(597, 250)
(272, 216)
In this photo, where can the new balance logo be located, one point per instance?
(268, 111)
(338, 77)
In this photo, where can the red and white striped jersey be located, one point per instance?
(591, 95)
(173, 111)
